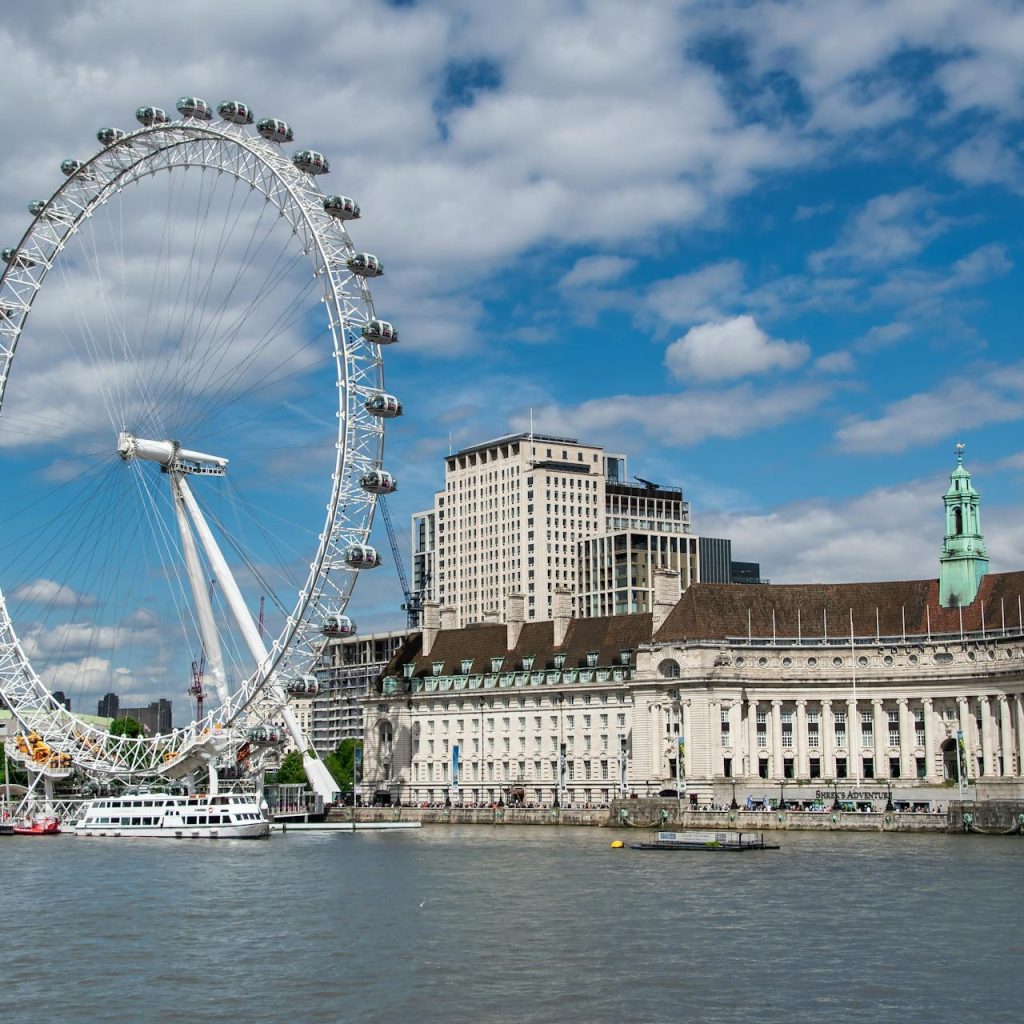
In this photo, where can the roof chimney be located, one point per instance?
(515, 614)
(448, 618)
(431, 624)
(562, 606)
(492, 615)
(666, 595)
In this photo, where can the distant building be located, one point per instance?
(154, 719)
(60, 698)
(347, 668)
(109, 706)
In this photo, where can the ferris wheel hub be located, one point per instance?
(170, 455)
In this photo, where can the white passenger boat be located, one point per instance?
(161, 816)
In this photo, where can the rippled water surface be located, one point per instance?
(511, 924)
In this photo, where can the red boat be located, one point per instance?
(40, 825)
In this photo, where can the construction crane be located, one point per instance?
(198, 670)
(413, 605)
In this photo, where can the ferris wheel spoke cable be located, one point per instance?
(221, 348)
(174, 381)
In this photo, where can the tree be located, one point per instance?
(339, 763)
(125, 727)
(291, 771)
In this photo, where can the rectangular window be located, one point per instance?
(841, 768)
(922, 767)
(762, 738)
(894, 767)
(727, 767)
(814, 765)
(869, 767)
(894, 738)
(762, 767)
(787, 768)
(919, 737)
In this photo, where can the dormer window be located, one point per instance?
(438, 666)
(559, 660)
(625, 656)
(528, 663)
(592, 659)
(407, 669)
(496, 664)
(467, 665)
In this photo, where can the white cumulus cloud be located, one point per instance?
(731, 348)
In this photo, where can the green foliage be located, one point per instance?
(291, 770)
(15, 775)
(339, 763)
(125, 727)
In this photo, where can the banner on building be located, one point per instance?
(455, 766)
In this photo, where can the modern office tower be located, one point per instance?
(531, 514)
(154, 719)
(715, 560)
(746, 572)
(60, 697)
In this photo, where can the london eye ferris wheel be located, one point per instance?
(192, 414)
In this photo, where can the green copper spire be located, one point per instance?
(964, 560)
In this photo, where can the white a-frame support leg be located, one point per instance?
(200, 595)
(319, 777)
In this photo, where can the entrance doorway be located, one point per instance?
(949, 755)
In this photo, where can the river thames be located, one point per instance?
(515, 924)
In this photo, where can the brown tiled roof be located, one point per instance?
(481, 642)
(714, 611)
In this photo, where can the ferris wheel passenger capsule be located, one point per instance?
(338, 625)
(235, 112)
(148, 116)
(37, 207)
(342, 207)
(274, 130)
(378, 481)
(108, 136)
(193, 106)
(16, 258)
(69, 167)
(364, 264)
(361, 556)
(380, 332)
(304, 686)
(385, 406)
(312, 162)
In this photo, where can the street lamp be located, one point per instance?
(782, 794)
(835, 795)
(888, 795)
(734, 805)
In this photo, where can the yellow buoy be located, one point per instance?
(617, 845)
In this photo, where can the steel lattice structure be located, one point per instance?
(234, 149)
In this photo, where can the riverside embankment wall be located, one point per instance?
(654, 813)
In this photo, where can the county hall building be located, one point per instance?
(729, 691)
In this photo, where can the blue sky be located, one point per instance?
(769, 250)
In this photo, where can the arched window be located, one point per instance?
(669, 669)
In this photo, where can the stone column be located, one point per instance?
(929, 741)
(752, 749)
(1020, 734)
(880, 727)
(828, 746)
(715, 737)
(853, 766)
(1006, 737)
(968, 736)
(778, 769)
(802, 768)
(906, 739)
(988, 747)
(657, 741)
